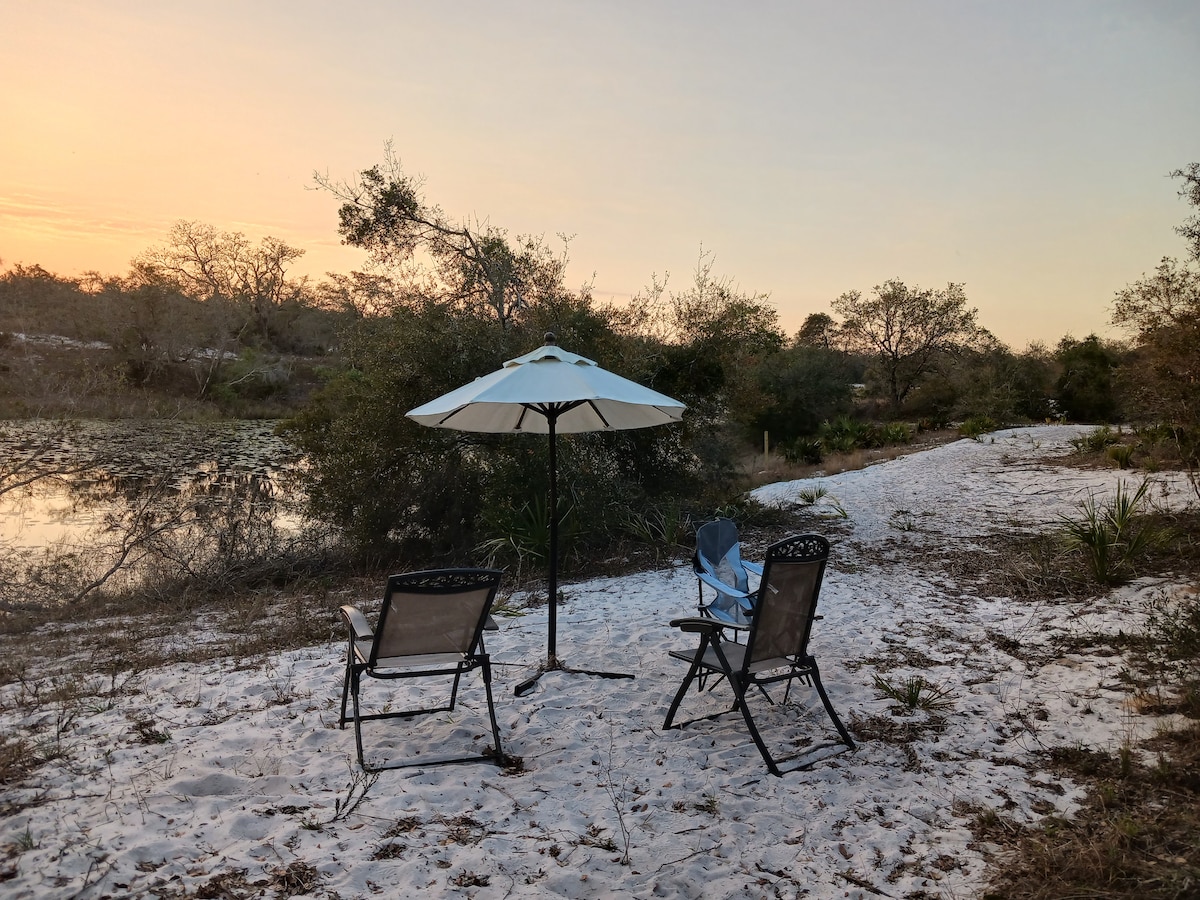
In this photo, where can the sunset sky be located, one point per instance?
(811, 148)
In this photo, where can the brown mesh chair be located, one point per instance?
(776, 647)
(430, 626)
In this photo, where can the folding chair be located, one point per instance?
(430, 626)
(719, 566)
(776, 647)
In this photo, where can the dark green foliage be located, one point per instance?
(807, 451)
(801, 387)
(1085, 389)
(843, 435)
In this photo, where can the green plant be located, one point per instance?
(915, 693)
(894, 433)
(804, 451)
(1095, 441)
(843, 435)
(1122, 455)
(663, 527)
(809, 496)
(1111, 536)
(977, 426)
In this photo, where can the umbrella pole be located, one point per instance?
(552, 645)
(552, 661)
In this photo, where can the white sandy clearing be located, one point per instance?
(256, 785)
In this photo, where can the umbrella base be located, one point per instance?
(554, 664)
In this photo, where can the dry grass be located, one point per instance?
(773, 468)
(1137, 837)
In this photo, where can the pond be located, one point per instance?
(89, 468)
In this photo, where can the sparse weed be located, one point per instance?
(809, 496)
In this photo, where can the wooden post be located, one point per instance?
(766, 450)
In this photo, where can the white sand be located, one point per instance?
(256, 784)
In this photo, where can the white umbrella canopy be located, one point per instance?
(545, 392)
(565, 392)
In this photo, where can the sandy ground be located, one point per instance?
(215, 781)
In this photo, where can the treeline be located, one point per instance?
(206, 320)
(210, 317)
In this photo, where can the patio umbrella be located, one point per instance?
(549, 391)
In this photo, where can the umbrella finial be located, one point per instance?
(551, 339)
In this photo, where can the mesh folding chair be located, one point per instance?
(430, 627)
(776, 647)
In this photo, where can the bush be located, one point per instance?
(804, 451)
(1095, 441)
(1112, 536)
(976, 426)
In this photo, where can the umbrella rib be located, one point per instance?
(599, 414)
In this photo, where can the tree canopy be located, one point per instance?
(907, 331)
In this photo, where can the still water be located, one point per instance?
(93, 465)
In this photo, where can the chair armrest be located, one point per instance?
(752, 568)
(718, 585)
(357, 622)
(698, 625)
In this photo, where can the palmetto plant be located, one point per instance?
(1113, 534)
(915, 693)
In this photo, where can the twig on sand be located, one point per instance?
(862, 883)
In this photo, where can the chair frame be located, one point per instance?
(363, 655)
(743, 666)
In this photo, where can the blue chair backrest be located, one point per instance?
(719, 554)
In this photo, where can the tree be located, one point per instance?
(224, 268)
(805, 386)
(907, 331)
(818, 330)
(1085, 386)
(1190, 229)
(1163, 373)
(1163, 314)
(384, 212)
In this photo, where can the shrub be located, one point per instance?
(1095, 441)
(976, 426)
(844, 435)
(1113, 535)
(804, 451)
(895, 433)
(1122, 455)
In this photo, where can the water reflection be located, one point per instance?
(91, 471)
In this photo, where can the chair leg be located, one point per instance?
(815, 678)
(687, 681)
(740, 688)
(354, 689)
(346, 687)
(454, 690)
(487, 687)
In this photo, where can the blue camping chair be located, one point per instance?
(719, 566)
